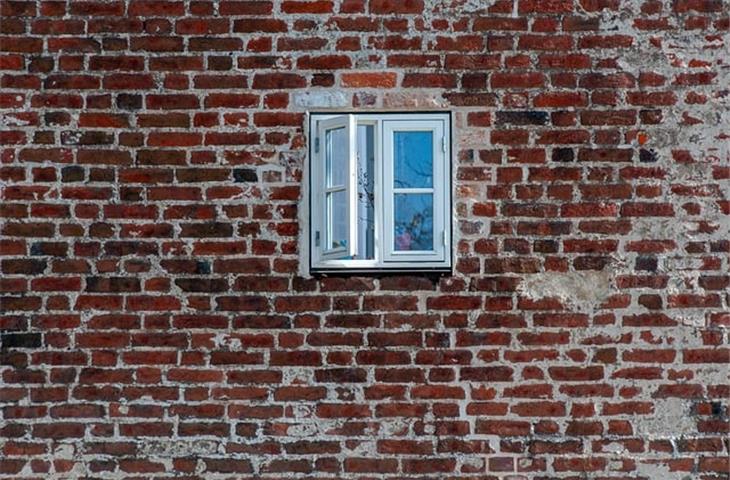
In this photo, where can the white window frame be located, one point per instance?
(385, 256)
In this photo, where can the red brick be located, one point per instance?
(517, 80)
(386, 7)
(153, 282)
(368, 465)
(369, 80)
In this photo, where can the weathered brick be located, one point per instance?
(155, 292)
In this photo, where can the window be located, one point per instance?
(380, 192)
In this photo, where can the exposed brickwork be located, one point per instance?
(155, 320)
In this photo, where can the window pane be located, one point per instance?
(413, 159)
(413, 221)
(336, 157)
(336, 220)
(365, 191)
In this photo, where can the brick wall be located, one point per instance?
(155, 319)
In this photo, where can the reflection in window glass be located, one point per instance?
(413, 159)
(366, 191)
(413, 221)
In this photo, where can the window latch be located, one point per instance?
(316, 145)
(443, 144)
(316, 239)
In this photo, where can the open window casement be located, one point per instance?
(335, 233)
(380, 192)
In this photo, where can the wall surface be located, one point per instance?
(155, 321)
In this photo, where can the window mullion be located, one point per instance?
(380, 206)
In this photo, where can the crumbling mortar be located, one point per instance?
(422, 296)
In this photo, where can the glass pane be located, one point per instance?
(413, 159)
(413, 221)
(365, 191)
(336, 220)
(336, 156)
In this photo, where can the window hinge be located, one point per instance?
(316, 145)
(443, 144)
(316, 239)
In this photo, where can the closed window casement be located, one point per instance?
(380, 192)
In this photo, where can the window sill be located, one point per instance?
(381, 271)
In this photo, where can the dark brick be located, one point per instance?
(26, 266)
(72, 173)
(123, 248)
(202, 230)
(647, 155)
(54, 249)
(245, 175)
(522, 118)
(341, 375)
(563, 155)
(112, 284)
(202, 284)
(128, 101)
(647, 264)
(20, 340)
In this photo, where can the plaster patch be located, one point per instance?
(298, 375)
(682, 263)
(315, 99)
(168, 448)
(364, 448)
(658, 469)
(73, 138)
(64, 451)
(585, 289)
(302, 411)
(224, 340)
(11, 120)
(712, 375)
(414, 100)
(399, 426)
(473, 463)
(655, 229)
(464, 6)
(692, 318)
(473, 138)
(671, 418)
(303, 430)
(615, 448)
